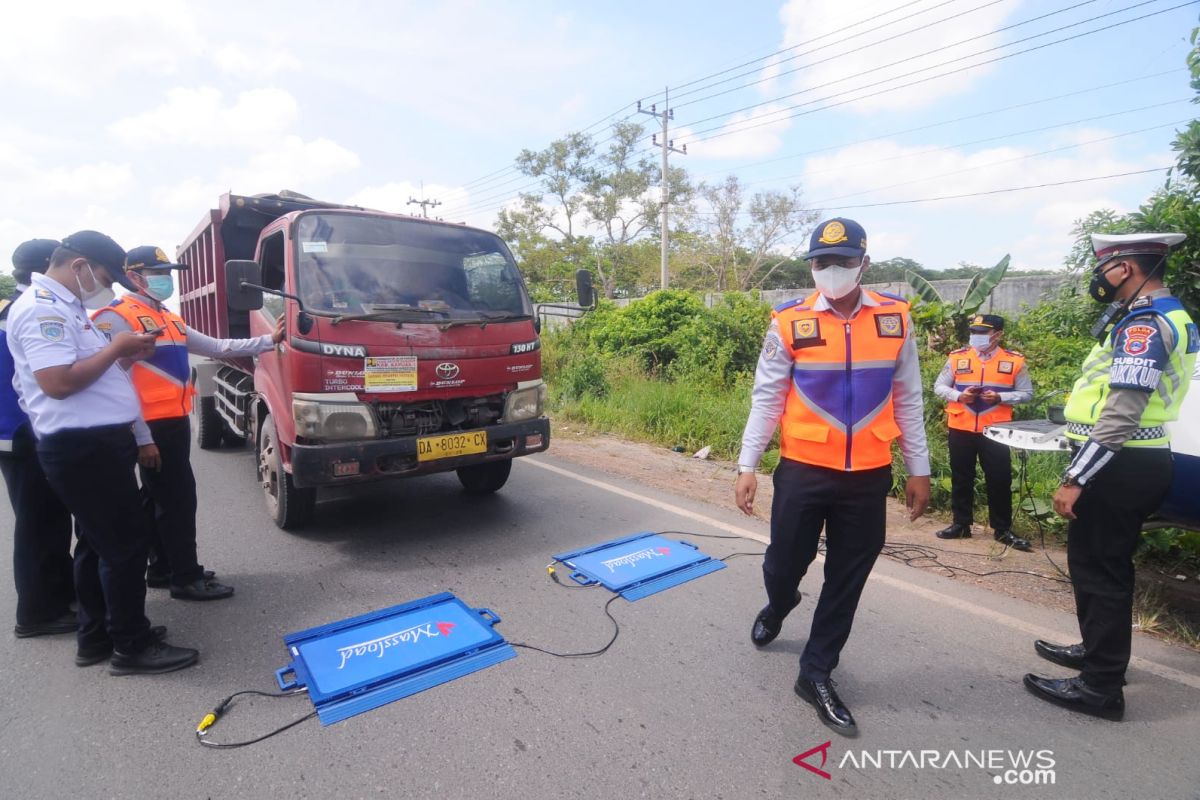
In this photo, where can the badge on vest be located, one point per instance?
(179, 327)
(889, 325)
(962, 365)
(147, 324)
(1005, 367)
(806, 333)
(1137, 339)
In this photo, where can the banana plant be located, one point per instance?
(945, 324)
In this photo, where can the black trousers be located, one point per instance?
(42, 568)
(1101, 541)
(171, 501)
(851, 507)
(91, 469)
(996, 460)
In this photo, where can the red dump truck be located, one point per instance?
(411, 347)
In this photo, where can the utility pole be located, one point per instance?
(668, 146)
(425, 205)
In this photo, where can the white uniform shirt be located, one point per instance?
(49, 327)
(773, 380)
(198, 344)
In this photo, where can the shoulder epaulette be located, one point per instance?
(960, 350)
(899, 297)
(1014, 352)
(1142, 302)
(789, 304)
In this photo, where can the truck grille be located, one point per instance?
(436, 416)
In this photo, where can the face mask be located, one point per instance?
(160, 287)
(980, 341)
(836, 282)
(1101, 289)
(98, 297)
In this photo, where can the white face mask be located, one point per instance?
(98, 297)
(836, 282)
(981, 341)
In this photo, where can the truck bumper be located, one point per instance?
(354, 462)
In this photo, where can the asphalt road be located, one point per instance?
(681, 706)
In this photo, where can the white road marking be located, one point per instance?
(1138, 662)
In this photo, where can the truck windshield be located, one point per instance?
(353, 265)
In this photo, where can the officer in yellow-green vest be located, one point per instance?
(980, 384)
(1132, 383)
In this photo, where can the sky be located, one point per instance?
(133, 117)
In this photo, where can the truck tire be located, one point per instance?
(209, 424)
(289, 506)
(485, 478)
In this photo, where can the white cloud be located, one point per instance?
(234, 59)
(197, 118)
(75, 46)
(747, 134)
(806, 23)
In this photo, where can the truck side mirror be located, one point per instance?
(242, 285)
(583, 288)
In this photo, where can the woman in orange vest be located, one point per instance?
(980, 384)
(839, 375)
(163, 433)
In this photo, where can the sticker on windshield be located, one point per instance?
(390, 374)
(314, 247)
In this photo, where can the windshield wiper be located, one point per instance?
(391, 312)
(486, 317)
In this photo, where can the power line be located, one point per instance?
(1005, 190)
(726, 131)
(953, 120)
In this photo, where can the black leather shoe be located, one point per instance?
(1069, 655)
(86, 656)
(831, 709)
(161, 580)
(1012, 540)
(202, 589)
(955, 531)
(65, 624)
(158, 657)
(767, 625)
(1074, 694)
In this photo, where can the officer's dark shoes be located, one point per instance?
(158, 657)
(1010, 539)
(161, 580)
(830, 708)
(64, 624)
(202, 589)
(955, 531)
(768, 624)
(85, 656)
(1069, 655)
(1074, 694)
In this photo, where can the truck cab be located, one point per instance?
(410, 347)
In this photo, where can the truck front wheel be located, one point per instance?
(288, 505)
(209, 424)
(485, 478)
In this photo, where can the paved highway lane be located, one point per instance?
(681, 706)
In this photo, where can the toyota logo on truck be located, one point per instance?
(446, 370)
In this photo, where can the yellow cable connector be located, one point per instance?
(206, 723)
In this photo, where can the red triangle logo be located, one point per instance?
(824, 750)
(445, 627)
(664, 550)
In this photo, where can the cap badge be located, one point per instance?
(833, 233)
(160, 255)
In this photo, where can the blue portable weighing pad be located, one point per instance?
(640, 565)
(361, 663)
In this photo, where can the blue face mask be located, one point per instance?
(160, 287)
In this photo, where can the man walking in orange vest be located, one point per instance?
(163, 433)
(980, 384)
(839, 375)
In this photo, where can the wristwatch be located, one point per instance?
(1069, 480)
(743, 469)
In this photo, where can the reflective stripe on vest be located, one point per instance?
(1091, 390)
(838, 412)
(998, 373)
(163, 382)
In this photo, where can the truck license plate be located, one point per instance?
(451, 445)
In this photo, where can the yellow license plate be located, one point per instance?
(451, 445)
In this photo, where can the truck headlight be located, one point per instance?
(526, 402)
(332, 417)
